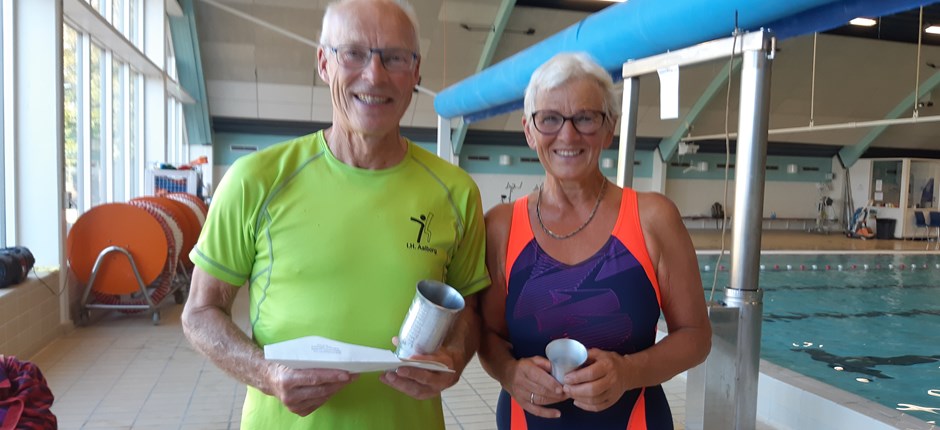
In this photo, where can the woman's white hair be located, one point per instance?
(565, 67)
(329, 18)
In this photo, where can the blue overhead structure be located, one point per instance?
(640, 28)
(633, 29)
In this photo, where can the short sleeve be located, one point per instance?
(467, 269)
(226, 246)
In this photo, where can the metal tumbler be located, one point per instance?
(566, 355)
(430, 317)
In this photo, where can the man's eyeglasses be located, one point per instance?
(585, 122)
(357, 57)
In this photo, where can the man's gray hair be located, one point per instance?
(565, 67)
(326, 30)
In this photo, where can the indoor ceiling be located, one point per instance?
(253, 72)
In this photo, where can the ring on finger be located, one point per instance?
(532, 398)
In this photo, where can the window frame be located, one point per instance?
(7, 179)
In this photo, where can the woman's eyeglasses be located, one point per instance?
(585, 122)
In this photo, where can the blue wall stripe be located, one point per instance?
(484, 159)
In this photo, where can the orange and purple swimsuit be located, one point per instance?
(610, 301)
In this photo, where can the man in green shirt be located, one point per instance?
(332, 232)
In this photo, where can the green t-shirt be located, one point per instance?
(337, 251)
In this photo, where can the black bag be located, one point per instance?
(15, 264)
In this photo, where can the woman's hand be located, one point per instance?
(532, 385)
(601, 383)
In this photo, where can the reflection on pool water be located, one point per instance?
(868, 324)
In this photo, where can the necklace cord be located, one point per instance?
(538, 214)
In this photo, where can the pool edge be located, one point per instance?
(787, 399)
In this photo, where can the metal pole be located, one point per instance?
(445, 146)
(625, 155)
(749, 197)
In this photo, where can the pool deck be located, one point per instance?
(121, 372)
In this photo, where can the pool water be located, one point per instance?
(874, 332)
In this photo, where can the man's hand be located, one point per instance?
(420, 383)
(302, 391)
(457, 350)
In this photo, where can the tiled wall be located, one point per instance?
(29, 316)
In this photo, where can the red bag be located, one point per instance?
(25, 398)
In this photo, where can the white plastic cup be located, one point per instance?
(566, 355)
(430, 317)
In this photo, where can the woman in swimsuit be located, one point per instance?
(581, 258)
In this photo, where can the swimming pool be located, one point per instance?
(867, 324)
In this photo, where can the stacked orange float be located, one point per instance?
(153, 234)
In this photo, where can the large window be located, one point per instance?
(104, 112)
(886, 183)
(170, 126)
(118, 130)
(177, 147)
(3, 96)
(97, 4)
(111, 88)
(135, 125)
(71, 70)
(117, 16)
(97, 160)
(134, 21)
(923, 188)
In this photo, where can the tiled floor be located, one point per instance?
(121, 372)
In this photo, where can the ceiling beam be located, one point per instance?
(668, 146)
(590, 6)
(850, 154)
(486, 57)
(190, 73)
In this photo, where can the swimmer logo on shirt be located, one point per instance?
(423, 230)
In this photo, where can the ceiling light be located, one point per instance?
(863, 22)
(933, 29)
